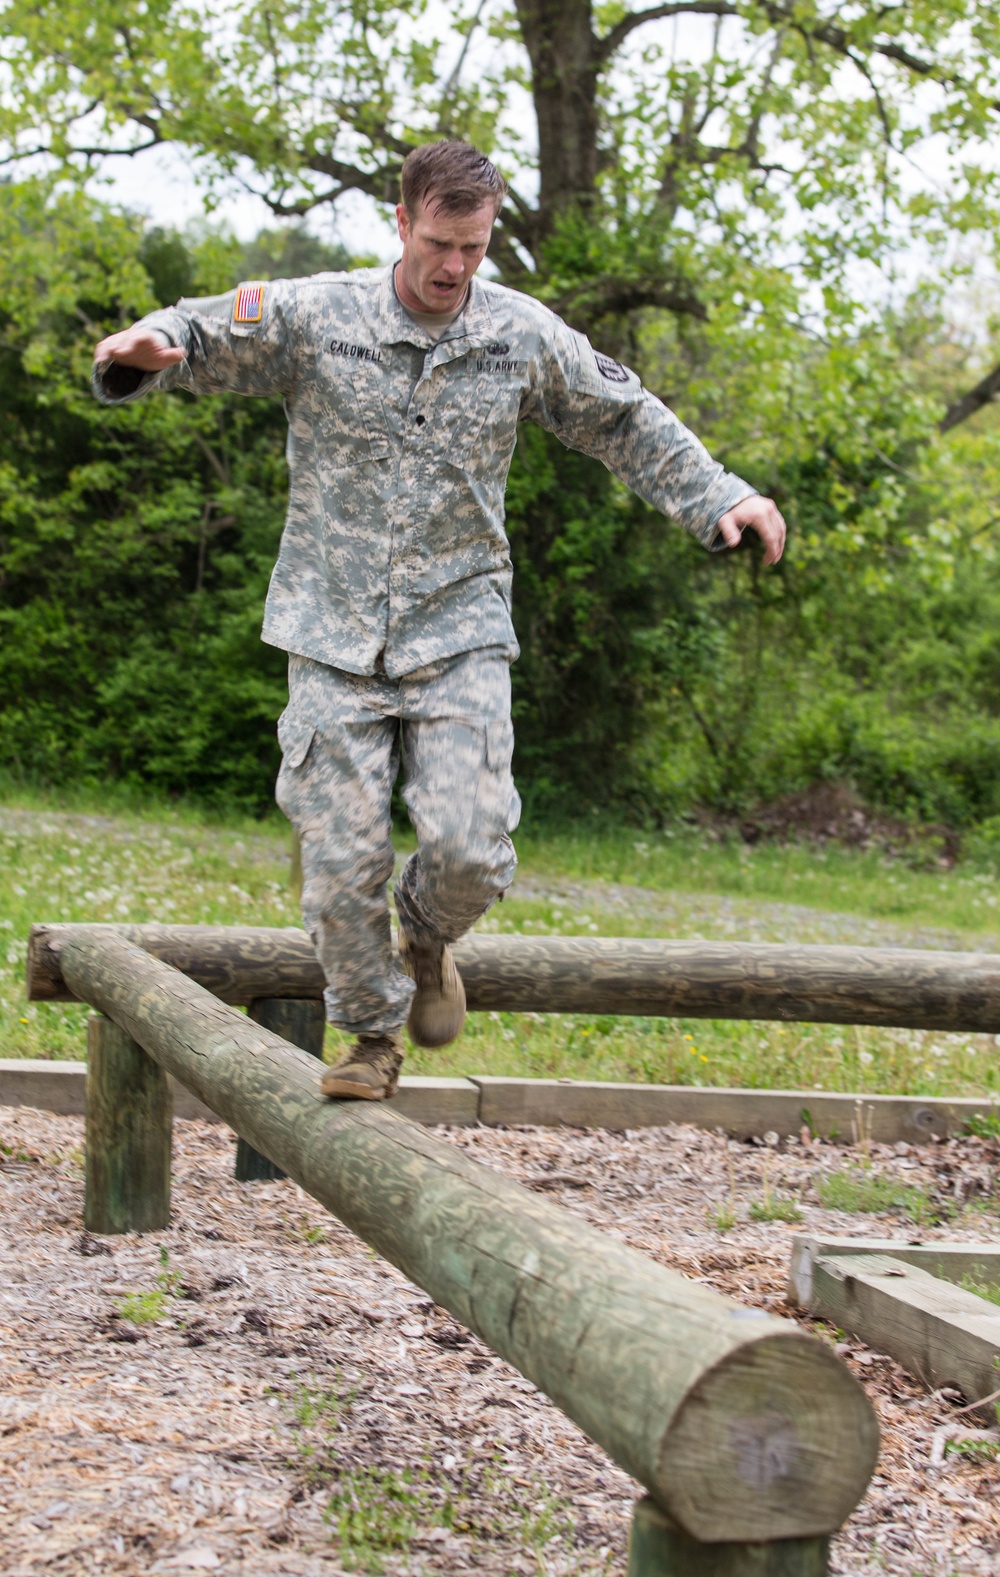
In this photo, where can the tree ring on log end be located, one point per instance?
(770, 1436)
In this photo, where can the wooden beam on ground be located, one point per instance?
(908, 988)
(743, 1427)
(61, 1087)
(979, 1262)
(543, 1103)
(743, 1114)
(940, 1333)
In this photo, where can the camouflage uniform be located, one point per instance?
(394, 562)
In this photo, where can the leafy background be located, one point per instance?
(741, 222)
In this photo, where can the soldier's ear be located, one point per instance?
(402, 222)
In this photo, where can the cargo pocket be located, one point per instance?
(498, 798)
(295, 735)
(500, 744)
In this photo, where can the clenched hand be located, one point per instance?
(762, 516)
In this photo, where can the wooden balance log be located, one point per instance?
(906, 988)
(744, 1429)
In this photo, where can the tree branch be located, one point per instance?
(605, 47)
(984, 393)
(611, 296)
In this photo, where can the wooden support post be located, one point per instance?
(743, 1426)
(302, 1023)
(129, 1127)
(657, 1549)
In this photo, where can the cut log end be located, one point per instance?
(778, 1434)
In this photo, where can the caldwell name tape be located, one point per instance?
(249, 307)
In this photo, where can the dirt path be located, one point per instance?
(291, 1372)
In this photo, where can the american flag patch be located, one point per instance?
(249, 307)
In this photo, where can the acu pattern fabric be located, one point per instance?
(392, 588)
(398, 452)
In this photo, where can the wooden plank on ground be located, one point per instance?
(940, 1333)
(948, 1260)
(886, 1119)
(60, 1087)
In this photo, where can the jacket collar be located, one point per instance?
(472, 330)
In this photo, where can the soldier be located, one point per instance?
(403, 388)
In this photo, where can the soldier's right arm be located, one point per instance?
(240, 343)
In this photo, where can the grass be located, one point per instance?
(156, 864)
(143, 1308)
(775, 1208)
(859, 1192)
(983, 1289)
(376, 1510)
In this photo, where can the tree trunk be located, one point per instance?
(561, 45)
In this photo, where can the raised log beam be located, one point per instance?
(904, 988)
(743, 1427)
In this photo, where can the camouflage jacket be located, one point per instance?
(398, 452)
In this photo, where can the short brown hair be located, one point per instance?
(455, 174)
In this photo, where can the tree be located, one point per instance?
(667, 141)
(709, 188)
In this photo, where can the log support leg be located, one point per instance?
(657, 1549)
(129, 1128)
(302, 1022)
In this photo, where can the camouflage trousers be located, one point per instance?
(343, 739)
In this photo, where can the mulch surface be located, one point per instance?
(290, 1370)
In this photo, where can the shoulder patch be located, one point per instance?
(610, 369)
(249, 304)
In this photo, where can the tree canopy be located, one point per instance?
(722, 193)
(655, 152)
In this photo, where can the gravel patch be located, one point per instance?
(290, 1387)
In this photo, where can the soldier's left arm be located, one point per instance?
(594, 404)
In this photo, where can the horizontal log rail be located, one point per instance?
(742, 1426)
(906, 988)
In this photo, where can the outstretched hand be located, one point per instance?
(139, 347)
(762, 516)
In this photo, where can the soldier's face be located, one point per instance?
(441, 252)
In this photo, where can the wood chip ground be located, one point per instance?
(297, 1407)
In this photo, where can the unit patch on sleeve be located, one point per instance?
(249, 304)
(610, 369)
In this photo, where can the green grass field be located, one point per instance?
(120, 863)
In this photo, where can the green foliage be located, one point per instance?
(775, 1208)
(867, 1192)
(135, 544)
(982, 1289)
(375, 1511)
(143, 1308)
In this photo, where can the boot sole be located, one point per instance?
(343, 1089)
(433, 1042)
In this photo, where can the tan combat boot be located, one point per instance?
(437, 1011)
(369, 1072)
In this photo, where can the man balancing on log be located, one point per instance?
(403, 388)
